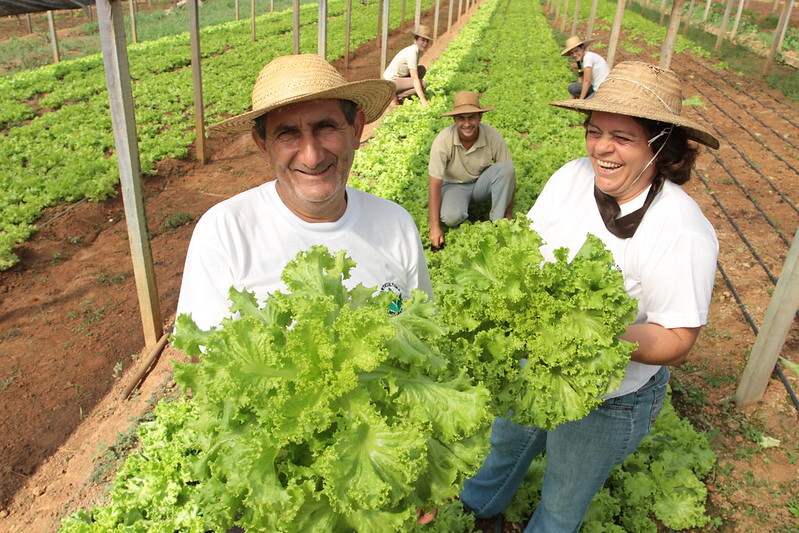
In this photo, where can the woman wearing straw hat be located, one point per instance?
(306, 120)
(469, 163)
(627, 192)
(592, 67)
(405, 70)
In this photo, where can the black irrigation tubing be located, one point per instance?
(778, 134)
(744, 128)
(747, 316)
(732, 222)
(767, 93)
(750, 197)
(749, 162)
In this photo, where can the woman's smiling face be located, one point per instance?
(618, 148)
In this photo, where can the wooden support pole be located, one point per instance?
(707, 10)
(787, 23)
(734, 30)
(123, 121)
(576, 17)
(417, 15)
(53, 37)
(589, 31)
(236, 8)
(615, 32)
(449, 15)
(384, 36)
(688, 17)
(29, 20)
(134, 34)
(296, 25)
(347, 31)
(662, 11)
(321, 39)
(197, 82)
(723, 28)
(771, 337)
(565, 15)
(252, 20)
(671, 33)
(776, 41)
(435, 19)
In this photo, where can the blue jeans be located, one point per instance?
(580, 455)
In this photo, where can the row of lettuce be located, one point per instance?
(371, 467)
(57, 143)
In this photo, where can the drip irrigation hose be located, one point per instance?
(751, 199)
(62, 213)
(736, 227)
(749, 162)
(736, 87)
(742, 108)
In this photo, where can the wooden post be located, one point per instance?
(384, 36)
(707, 10)
(723, 28)
(576, 17)
(197, 81)
(296, 26)
(252, 20)
(460, 7)
(689, 17)
(271, 6)
(565, 14)
(615, 32)
(671, 33)
(774, 7)
(321, 46)
(134, 35)
(29, 20)
(449, 15)
(417, 15)
(771, 337)
(435, 19)
(236, 8)
(591, 19)
(53, 37)
(379, 18)
(775, 42)
(347, 30)
(785, 26)
(734, 30)
(123, 121)
(662, 11)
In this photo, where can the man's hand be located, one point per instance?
(425, 518)
(436, 237)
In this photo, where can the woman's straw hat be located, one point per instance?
(298, 78)
(641, 90)
(572, 43)
(466, 102)
(423, 31)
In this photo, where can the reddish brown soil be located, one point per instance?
(70, 324)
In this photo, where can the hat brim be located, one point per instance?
(372, 96)
(466, 110)
(693, 130)
(570, 48)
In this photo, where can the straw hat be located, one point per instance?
(298, 78)
(572, 43)
(423, 31)
(641, 90)
(466, 102)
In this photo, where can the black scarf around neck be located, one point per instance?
(624, 227)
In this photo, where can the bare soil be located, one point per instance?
(71, 339)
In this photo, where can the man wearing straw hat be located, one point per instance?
(307, 121)
(469, 163)
(405, 70)
(627, 192)
(592, 67)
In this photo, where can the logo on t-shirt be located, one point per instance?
(395, 307)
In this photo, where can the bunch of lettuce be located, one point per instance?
(543, 337)
(316, 411)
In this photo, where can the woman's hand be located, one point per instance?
(425, 518)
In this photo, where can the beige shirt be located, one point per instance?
(451, 162)
(406, 60)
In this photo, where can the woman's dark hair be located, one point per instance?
(348, 107)
(676, 159)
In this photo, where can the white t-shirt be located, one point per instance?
(599, 68)
(247, 240)
(669, 265)
(406, 60)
